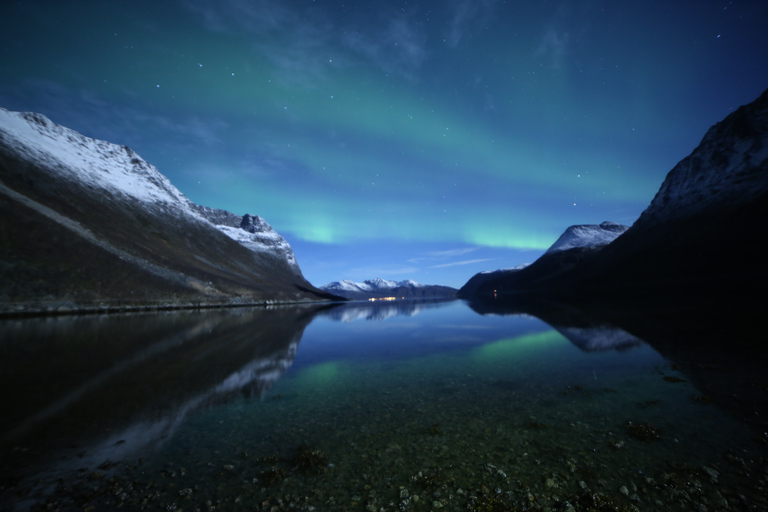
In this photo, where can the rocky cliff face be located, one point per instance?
(701, 234)
(88, 223)
(702, 231)
(257, 235)
(727, 169)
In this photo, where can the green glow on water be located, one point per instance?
(508, 350)
(322, 375)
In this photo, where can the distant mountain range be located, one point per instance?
(87, 224)
(380, 288)
(702, 234)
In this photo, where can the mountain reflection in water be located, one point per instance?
(720, 345)
(430, 406)
(90, 389)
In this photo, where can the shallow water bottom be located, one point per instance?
(464, 434)
(441, 410)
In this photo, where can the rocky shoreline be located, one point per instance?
(59, 308)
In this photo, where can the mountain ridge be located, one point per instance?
(697, 236)
(575, 240)
(67, 199)
(587, 235)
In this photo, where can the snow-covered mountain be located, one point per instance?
(588, 235)
(370, 285)
(377, 288)
(70, 199)
(574, 241)
(700, 235)
(567, 249)
(99, 166)
(117, 170)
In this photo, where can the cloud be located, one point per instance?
(362, 273)
(305, 45)
(457, 263)
(554, 46)
(303, 53)
(452, 252)
(302, 62)
(434, 256)
(443, 255)
(101, 117)
(399, 47)
(234, 15)
(471, 327)
(568, 25)
(203, 131)
(464, 11)
(464, 14)
(300, 47)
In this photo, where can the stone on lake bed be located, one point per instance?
(644, 431)
(713, 474)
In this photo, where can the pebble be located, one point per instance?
(713, 474)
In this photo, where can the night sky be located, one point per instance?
(424, 140)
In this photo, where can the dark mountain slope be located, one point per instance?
(703, 232)
(87, 223)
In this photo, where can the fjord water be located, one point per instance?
(384, 406)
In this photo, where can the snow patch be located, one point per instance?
(587, 235)
(502, 270)
(263, 242)
(95, 163)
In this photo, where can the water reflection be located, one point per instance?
(307, 404)
(88, 389)
(719, 345)
(381, 310)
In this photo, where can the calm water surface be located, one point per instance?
(399, 407)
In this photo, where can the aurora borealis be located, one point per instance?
(403, 140)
